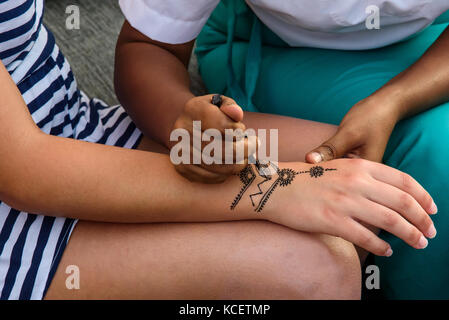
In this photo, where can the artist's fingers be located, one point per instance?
(230, 108)
(231, 158)
(211, 117)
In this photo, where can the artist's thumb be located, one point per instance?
(336, 147)
(230, 108)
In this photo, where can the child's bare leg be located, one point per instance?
(232, 260)
(222, 260)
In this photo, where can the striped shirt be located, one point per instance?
(31, 246)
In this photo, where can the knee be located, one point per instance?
(287, 264)
(339, 275)
(332, 272)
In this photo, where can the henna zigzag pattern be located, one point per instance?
(247, 176)
(260, 190)
(267, 195)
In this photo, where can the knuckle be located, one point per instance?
(352, 135)
(190, 106)
(340, 198)
(365, 239)
(389, 219)
(354, 179)
(424, 221)
(359, 164)
(427, 201)
(406, 202)
(224, 123)
(414, 236)
(329, 215)
(407, 181)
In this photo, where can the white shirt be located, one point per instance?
(330, 24)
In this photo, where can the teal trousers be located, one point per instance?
(242, 58)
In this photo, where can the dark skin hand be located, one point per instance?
(158, 110)
(365, 130)
(171, 67)
(228, 116)
(183, 105)
(363, 133)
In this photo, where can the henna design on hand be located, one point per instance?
(284, 178)
(316, 171)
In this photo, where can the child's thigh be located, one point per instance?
(206, 261)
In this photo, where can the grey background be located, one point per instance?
(90, 50)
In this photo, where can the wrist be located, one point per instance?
(267, 198)
(390, 99)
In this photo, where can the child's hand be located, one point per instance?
(340, 196)
(228, 116)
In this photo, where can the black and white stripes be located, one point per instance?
(32, 245)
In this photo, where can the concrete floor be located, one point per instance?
(90, 50)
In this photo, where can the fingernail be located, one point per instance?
(433, 208)
(422, 243)
(389, 252)
(432, 232)
(316, 157)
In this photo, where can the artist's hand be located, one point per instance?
(358, 191)
(363, 133)
(228, 116)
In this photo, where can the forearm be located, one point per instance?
(422, 86)
(140, 70)
(64, 177)
(155, 107)
(152, 83)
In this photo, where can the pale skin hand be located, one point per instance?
(365, 130)
(360, 191)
